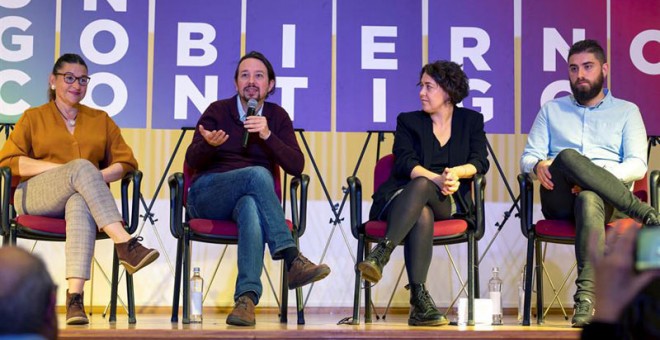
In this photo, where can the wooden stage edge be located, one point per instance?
(319, 324)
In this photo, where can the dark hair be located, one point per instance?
(450, 77)
(27, 293)
(589, 46)
(259, 56)
(68, 58)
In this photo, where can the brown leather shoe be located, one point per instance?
(243, 312)
(134, 256)
(75, 309)
(303, 272)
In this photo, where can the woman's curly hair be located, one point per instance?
(450, 77)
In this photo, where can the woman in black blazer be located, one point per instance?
(436, 150)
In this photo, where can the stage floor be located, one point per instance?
(319, 325)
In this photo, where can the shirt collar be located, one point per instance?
(606, 98)
(242, 113)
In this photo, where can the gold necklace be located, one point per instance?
(70, 121)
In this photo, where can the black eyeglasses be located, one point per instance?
(69, 78)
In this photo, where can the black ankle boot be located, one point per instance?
(372, 267)
(652, 218)
(422, 308)
(644, 213)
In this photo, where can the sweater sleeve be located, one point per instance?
(18, 144)
(200, 153)
(117, 151)
(284, 145)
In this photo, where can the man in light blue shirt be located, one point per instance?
(586, 150)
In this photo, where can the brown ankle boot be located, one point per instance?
(243, 312)
(75, 309)
(134, 256)
(303, 271)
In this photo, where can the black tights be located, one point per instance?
(410, 216)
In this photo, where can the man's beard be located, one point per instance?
(246, 98)
(583, 96)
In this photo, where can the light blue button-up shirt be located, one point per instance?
(611, 134)
(241, 113)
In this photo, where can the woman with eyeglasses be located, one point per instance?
(65, 153)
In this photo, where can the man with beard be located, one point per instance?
(233, 180)
(586, 150)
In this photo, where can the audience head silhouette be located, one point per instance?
(28, 295)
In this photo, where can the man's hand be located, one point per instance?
(215, 137)
(543, 174)
(257, 124)
(617, 283)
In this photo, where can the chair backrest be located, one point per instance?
(641, 188)
(382, 170)
(189, 174)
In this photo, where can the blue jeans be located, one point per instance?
(246, 196)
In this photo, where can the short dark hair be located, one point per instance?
(259, 56)
(26, 292)
(589, 46)
(450, 77)
(67, 58)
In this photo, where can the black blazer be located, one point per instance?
(413, 145)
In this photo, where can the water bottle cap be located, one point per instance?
(196, 270)
(496, 269)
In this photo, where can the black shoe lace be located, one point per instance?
(134, 243)
(378, 254)
(583, 307)
(76, 301)
(426, 301)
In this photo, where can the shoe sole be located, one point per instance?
(239, 322)
(369, 272)
(151, 257)
(578, 324)
(319, 276)
(77, 320)
(440, 322)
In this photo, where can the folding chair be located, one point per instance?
(560, 232)
(465, 229)
(225, 232)
(41, 228)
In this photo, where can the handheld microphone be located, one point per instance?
(252, 105)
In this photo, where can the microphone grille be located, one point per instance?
(252, 103)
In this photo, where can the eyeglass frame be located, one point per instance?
(79, 79)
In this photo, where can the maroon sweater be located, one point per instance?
(281, 148)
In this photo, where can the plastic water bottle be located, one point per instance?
(495, 292)
(521, 296)
(196, 290)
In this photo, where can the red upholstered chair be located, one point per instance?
(186, 230)
(41, 228)
(560, 232)
(468, 229)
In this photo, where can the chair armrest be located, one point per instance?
(4, 201)
(479, 190)
(133, 179)
(355, 204)
(526, 185)
(654, 180)
(299, 211)
(175, 182)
